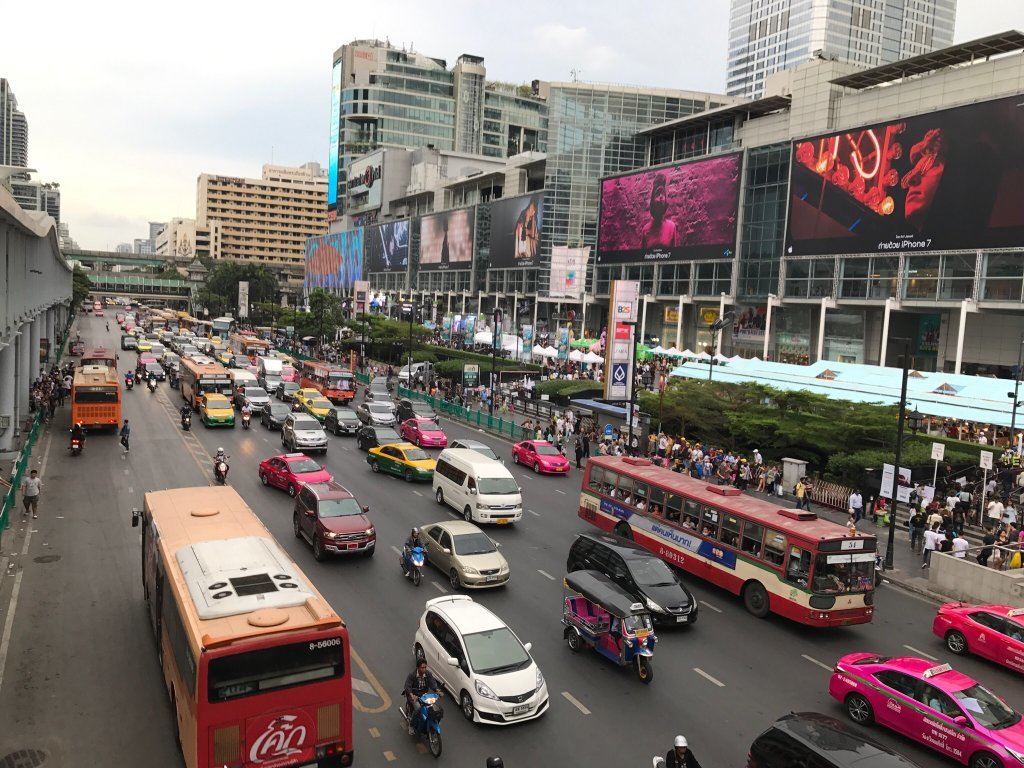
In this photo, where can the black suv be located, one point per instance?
(812, 739)
(370, 436)
(341, 420)
(414, 409)
(637, 571)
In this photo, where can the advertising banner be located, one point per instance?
(361, 295)
(563, 343)
(568, 271)
(470, 375)
(469, 329)
(945, 180)
(332, 161)
(243, 298)
(619, 349)
(515, 230)
(387, 247)
(446, 328)
(334, 262)
(363, 191)
(528, 337)
(446, 240)
(686, 211)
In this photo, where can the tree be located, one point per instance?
(325, 313)
(81, 287)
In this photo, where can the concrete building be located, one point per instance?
(266, 220)
(767, 36)
(33, 195)
(13, 129)
(179, 238)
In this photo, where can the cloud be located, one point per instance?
(578, 49)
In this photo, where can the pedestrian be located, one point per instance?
(986, 550)
(125, 433)
(857, 505)
(30, 488)
(931, 543)
(916, 526)
(680, 756)
(960, 545)
(579, 451)
(800, 491)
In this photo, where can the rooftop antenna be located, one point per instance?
(575, 74)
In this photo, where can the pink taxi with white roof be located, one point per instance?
(994, 632)
(934, 705)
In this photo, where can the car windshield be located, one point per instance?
(415, 454)
(301, 466)
(217, 402)
(307, 424)
(473, 544)
(547, 450)
(429, 426)
(497, 485)
(256, 393)
(153, 367)
(496, 651)
(320, 402)
(985, 707)
(344, 414)
(280, 410)
(388, 436)
(290, 386)
(379, 408)
(339, 508)
(651, 572)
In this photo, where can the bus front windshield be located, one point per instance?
(841, 572)
(339, 381)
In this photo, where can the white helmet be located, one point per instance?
(220, 450)
(681, 741)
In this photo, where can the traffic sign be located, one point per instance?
(938, 451)
(609, 430)
(985, 459)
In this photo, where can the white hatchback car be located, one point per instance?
(480, 661)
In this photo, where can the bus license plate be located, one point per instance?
(502, 521)
(521, 710)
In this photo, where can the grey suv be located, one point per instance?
(303, 432)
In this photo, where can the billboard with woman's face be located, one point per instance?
(387, 247)
(942, 181)
(446, 240)
(515, 230)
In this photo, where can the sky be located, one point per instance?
(127, 103)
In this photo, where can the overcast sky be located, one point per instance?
(127, 103)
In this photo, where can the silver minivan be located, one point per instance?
(481, 489)
(301, 432)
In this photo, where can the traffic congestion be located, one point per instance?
(519, 570)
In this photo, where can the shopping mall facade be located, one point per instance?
(847, 215)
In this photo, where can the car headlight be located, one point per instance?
(484, 691)
(540, 678)
(1018, 756)
(470, 571)
(653, 606)
(369, 531)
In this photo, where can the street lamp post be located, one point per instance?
(632, 379)
(716, 327)
(1016, 393)
(495, 342)
(411, 309)
(915, 419)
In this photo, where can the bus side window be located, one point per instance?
(774, 547)
(674, 507)
(731, 531)
(753, 534)
(640, 495)
(799, 566)
(709, 523)
(596, 479)
(625, 492)
(656, 502)
(691, 513)
(610, 480)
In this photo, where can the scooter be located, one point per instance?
(129, 383)
(152, 384)
(76, 446)
(186, 421)
(412, 564)
(220, 469)
(427, 721)
(246, 418)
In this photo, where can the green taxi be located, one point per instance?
(215, 410)
(403, 459)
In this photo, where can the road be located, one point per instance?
(80, 674)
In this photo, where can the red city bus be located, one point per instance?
(785, 561)
(100, 356)
(255, 661)
(335, 382)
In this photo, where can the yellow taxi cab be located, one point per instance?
(318, 407)
(144, 344)
(216, 410)
(225, 357)
(306, 395)
(406, 460)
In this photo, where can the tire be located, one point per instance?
(359, 444)
(408, 475)
(453, 579)
(439, 496)
(434, 739)
(536, 467)
(417, 576)
(515, 457)
(318, 550)
(984, 760)
(644, 670)
(956, 642)
(466, 705)
(296, 527)
(755, 599)
(418, 654)
(467, 514)
(574, 640)
(374, 466)
(283, 443)
(859, 709)
(291, 490)
(264, 479)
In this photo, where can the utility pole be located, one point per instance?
(1016, 394)
(899, 455)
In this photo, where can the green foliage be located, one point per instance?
(221, 287)
(568, 387)
(81, 287)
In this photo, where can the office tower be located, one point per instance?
(766, 36)
(13, 129)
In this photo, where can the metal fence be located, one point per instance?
(473, 417)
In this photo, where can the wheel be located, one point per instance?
(453, 579)
(291, 490)
(296, 527)
(283, 440)
(574, 640)
(408, 475)
(956, 642)
(536, 467)
(644, 670)
(466, 705)
(419, 442)
(515, 457)
(417, 576)
(859, 709)
(318, 550)
(434, 738)
(439, 495)
(359, 444)
(467, 514)
(264, 479)
(755, 599)
(984, 760)
(418, 653)
(374, 466)
(624, 531)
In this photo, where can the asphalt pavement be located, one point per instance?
(78, 668)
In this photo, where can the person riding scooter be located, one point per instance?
(221, 459)
(78, 435)
(246, 414)
(419, 682)
(129, 380)
(186, 416)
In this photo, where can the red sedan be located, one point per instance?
(542, 456)
(291, 471)
(426, 433)
(995, 632)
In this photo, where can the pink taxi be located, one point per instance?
(994, 632)
(288, 373)
(541, 455)
(933, 705)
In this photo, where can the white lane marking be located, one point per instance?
(126, 471)
(440, 588)
(559, 490)
(535, 514)
(546, 574)
(418, 494)
(396, 550)
(708, 605)
(130, 490)
(815, 662)
(575, 702)
(708, 677)
(363, 687)
(912, 649)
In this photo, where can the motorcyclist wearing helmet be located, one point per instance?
(414, 540)
(246, 409)
(419, 682)
(78, 433)
(680, 755)
(221, 456)
(186, 410)
(495, 762)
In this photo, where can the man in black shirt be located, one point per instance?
(680, 755)
(418, 682)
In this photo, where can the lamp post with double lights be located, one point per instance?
(496, 333)
(1016, 395)
(913, 420)
(630, 415)
(716, 328)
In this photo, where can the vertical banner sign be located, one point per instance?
(905, 486)
(446, 328)
(528, 337)
(361, 296)
(888, 479)
(619, 349)
(243, 299)
(469, 329)
(563, 343)
(470, 375)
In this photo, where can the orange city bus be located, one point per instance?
(197, 379)
(249, 345)
(786, 561)
(96, 397)
(255, 661)
(100, 356)
(335, 382)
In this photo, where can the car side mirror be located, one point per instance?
(496, 544)
(452, 661)
(528, 646)
(366, 510)
(323, 467)
(960, 720)
(310, 513)
(472, 491)
(447, 551)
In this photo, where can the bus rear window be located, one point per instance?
(104, 395)
(271, 669)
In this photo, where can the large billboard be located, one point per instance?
(683, 211)
(364, 181)
(940, 181)
(387, 247)
(568, 272)
(332, 161)
(446, 240)
(334, 262)
(515, 230)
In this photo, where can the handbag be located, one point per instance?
(1015, 560)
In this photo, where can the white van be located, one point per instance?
(479, 488)
(269, 373)
(425, 368)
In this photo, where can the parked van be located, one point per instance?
(425, 369)
(482, 489)
(269, 373)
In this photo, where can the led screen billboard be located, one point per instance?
(446, 240)
(683, 211)
(387, 247)
(334, 262)
(515, 230)
(941, 181)
(332, 161)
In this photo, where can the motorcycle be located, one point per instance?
(129, 383)
(412, 564)
(76, 446)
(186, 421)
(427, 721)
(152, 384)
(246, 418)
(220, 469)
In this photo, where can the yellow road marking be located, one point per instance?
(375, 733)
(390, 756)
(372, 680)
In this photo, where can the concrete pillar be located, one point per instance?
(8, 387)
(37, 334)
(679, 326)
(885, 335)
(643, 319)
(961, 331)
(767, 326)
(721, 314)
(21, 376)
(51, 326)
